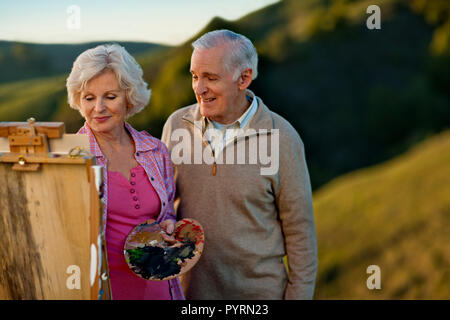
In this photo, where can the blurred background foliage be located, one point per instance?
(372, 107)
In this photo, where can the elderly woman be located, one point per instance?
(106, 87)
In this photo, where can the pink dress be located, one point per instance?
(130, 203)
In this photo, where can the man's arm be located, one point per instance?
(294, 202)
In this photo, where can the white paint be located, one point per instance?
(99, 246)
(98, 177)
(93, 272)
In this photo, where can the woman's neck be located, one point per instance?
(114, 140)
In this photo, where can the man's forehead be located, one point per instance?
(208, 60)
(220, 50)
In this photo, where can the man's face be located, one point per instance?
(215, 90)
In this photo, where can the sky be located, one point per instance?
(70, 21)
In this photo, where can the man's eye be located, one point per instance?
(194, 77)
(212, 79)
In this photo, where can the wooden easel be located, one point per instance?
(52, 243)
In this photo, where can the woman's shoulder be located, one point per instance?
(83, 129)
(147, 136)
(148, 139)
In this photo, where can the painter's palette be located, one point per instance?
(150, 257)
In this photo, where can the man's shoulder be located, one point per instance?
(178, 114)
(286, 130)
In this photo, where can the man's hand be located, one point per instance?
(168, 227)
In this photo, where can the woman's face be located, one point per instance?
(103, 103)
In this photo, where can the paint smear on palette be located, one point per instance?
(150, 257)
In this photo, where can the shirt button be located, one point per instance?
(153, 179)
(132, 183)
(132, 191)
(164, 203)
(137, 206)
(137, 153)
(135, 198)
(133, 174)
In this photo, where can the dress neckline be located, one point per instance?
(137, 168)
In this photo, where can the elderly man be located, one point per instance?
(254, 207)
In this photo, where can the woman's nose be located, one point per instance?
(99, 105)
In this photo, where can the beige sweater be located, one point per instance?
(250, 220)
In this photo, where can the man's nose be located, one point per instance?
(200, 87)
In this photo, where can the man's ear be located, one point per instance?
(245, 79)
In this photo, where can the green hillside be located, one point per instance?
(356, 96)
(45, 98)
(36, 97)
(20, 61)
(394, 215)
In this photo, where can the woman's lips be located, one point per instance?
(101, 119)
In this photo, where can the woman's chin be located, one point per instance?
(101, 127)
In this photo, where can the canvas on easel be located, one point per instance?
(52, 242)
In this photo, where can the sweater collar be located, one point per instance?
(262, 119)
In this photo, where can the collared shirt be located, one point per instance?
(219, 135)
(153, 156)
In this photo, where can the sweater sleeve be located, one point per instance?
(294, 202)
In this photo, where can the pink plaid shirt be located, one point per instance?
(153, 156)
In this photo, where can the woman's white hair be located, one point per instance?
(93, 62)
(242, 55)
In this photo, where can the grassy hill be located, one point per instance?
(394, 215)
(45, 97)
(20, 61)
(356, 96)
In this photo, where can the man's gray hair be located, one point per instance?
(242, 55)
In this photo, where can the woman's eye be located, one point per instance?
(212, 79)
(88, 98)
(111, 97)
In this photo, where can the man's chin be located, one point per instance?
(206, 111)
